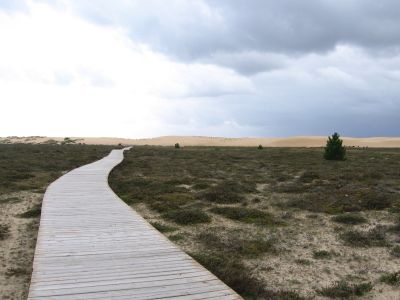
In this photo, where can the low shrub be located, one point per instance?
(176, 237)
(162, 227)
(375, 237)
(34, 212)
(395, 251)
(322, 254)
(391, 278)
(250, 248)
(4, 231)
(187, 216)
(350, 219)
(344, 290)
(246, 215)
(302, 261)
(237, 276)
(170, 202)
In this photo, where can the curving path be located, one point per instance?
(91, 245)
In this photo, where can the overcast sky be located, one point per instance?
(144, 68)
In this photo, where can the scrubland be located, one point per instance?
(275, 223)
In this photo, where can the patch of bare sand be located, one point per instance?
(297, 141)
(17, 249)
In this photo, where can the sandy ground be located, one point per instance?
(298, 141)
(17, 248)
(297, 242)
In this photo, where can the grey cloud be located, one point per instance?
(190, 30)
(247, 63)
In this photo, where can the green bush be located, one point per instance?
(260, 147)
(177, 146)
(334, 149)
(250, 248)
(227, 192)
(34, 212)
(395, 251)
(391, 278)
(187, 216)
(246, 215)
(237, 276)
(162, 227)
(350, 219)
(4, 231)
(343, 290)
(322, 254)
(375, 237)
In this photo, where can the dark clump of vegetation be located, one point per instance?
(235, 246)
(395, 251)
(340, 202)
(169, 202)
(260, 147)
(176, 237)
(334, 149)
(177, 146)
(309, 176)
(187, 216)
(391, 278)
(375, 237)
(322, 254)
(343, 290)
(226, 192)
(4, 231)
(349, 218)
(33, 167)
(246, 215)
(162, 227)
(236, 275)
(34, 212)
(302, 261)
(17, 271)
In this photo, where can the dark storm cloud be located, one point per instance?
(205, 31)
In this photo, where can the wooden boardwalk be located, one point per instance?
(91, 245)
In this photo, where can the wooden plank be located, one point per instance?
(91, 245)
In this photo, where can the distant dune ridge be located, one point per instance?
(297, 141)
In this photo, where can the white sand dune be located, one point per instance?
(298, 141)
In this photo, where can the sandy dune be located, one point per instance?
(298, 141)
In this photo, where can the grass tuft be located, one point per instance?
(375, 237)
(246, 215)
(343, 290)
(322, 254)
(391, 278)
(34, 212)
(187, 216)
(4, 231)
(162, 227)
(349, 219)
(236, 275)
(395, 251)
(250, 248)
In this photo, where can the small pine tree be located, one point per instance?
(334, 149)
(177, 146)
(260, 147)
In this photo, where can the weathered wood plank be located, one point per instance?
(91, 245)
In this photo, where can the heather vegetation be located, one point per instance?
(254, 217)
